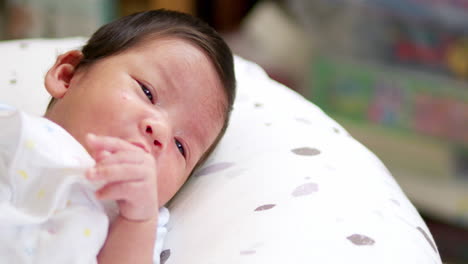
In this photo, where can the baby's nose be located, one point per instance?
(149, 131)
(157, 133)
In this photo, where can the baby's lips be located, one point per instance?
(140, 145)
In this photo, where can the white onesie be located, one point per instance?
(48, 211)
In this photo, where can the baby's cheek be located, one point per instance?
(124, 97)
(171, 175)
(167, 188)
(163, 189)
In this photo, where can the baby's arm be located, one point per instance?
(129, 177)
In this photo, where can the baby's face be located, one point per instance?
(164, 96)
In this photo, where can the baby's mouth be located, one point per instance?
(140, 145)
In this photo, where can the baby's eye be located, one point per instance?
(147, 92)
(180, 147)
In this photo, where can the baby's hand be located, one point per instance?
(128, 174)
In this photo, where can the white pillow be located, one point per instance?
(286, 185)
(23, 67)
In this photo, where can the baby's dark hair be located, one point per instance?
(130, 31)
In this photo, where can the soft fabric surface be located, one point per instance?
(286, 185)
(48, 211)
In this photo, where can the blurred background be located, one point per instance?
(394, 73)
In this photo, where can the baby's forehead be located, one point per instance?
(211, 106)
(188, 55)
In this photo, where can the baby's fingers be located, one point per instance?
(137, 200)
(134, 192)
(111, 144)
(120, 191)
(104, 158)
(116, 173)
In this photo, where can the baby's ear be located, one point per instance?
(59, 76)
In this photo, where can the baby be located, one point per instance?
(147, 98)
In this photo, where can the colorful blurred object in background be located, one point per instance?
(53, 18)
